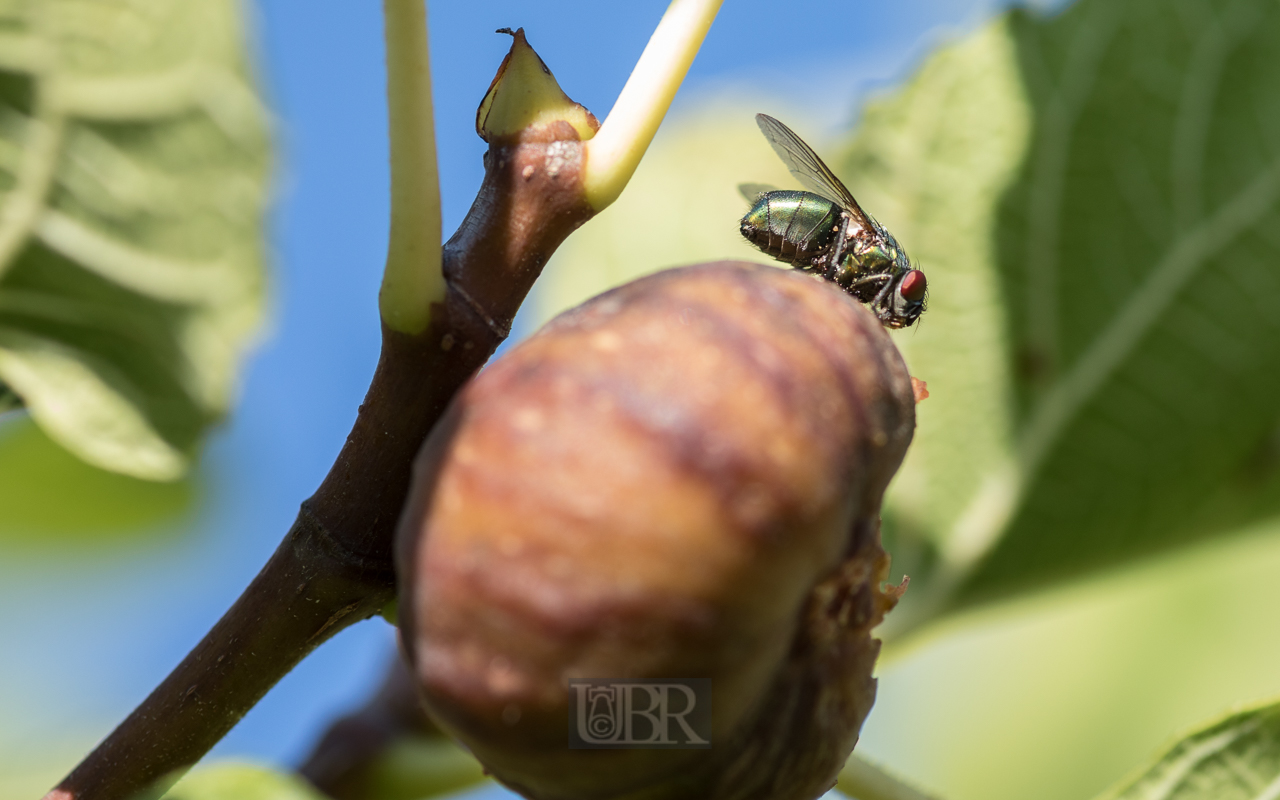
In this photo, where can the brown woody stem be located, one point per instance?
(335, 565)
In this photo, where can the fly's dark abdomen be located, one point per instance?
(795, 227)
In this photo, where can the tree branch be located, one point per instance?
(335, 565)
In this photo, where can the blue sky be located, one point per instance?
(90, 634)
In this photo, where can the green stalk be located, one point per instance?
(412, 280)
(615, 151)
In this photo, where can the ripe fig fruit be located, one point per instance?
(679, 479)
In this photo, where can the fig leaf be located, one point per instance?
(133, 161)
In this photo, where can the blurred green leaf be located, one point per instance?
(1095, 197)
(1140, 261)
(1061, 694)
(232, 781)
(1237, 758)
(51, 498)
(412, 768)
(133, 158)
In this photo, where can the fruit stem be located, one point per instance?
(866, 781)
(389, 742)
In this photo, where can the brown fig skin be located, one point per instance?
(680, 478)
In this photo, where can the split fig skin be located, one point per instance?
(680, 478)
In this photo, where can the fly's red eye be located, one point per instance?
(913, 286)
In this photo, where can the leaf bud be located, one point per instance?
(526, 103)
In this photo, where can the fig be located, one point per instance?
(678, 480)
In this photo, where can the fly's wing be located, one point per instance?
(752, 191)
(814, 175)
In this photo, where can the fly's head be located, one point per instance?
(903, 302)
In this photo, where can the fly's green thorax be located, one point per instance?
(875, 254)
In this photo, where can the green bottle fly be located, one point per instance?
(824, 230)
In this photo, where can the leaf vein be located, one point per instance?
(21, 210)
(1118, 339)
(1050, 169)
(1194, 115)
(1193, 757)
(161, 277)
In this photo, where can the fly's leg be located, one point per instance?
(871, 279)
(865, 280)
(831, 269)
(880, 304)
